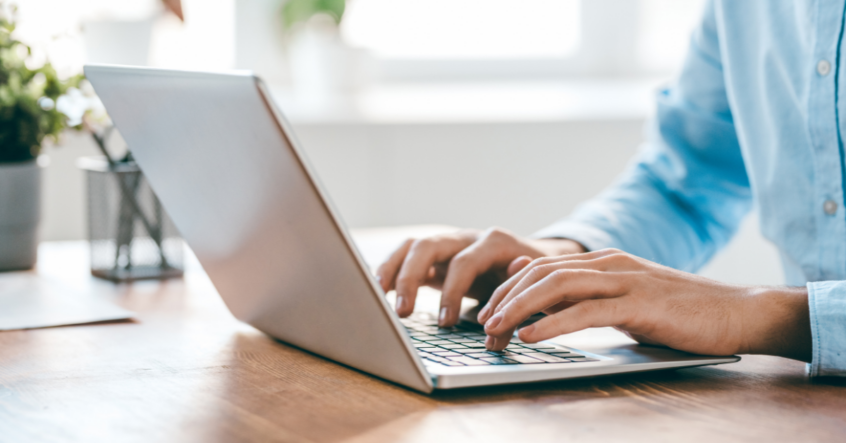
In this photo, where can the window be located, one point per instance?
(512, 39)
(464, 29)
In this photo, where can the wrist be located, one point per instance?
(777, 322)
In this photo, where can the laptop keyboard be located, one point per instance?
(465, 346)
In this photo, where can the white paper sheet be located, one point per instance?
(30, 301)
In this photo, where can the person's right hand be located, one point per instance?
(465, 263)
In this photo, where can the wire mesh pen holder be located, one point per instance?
(131, 236)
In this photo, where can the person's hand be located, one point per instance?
(465, 263)
(653, 304)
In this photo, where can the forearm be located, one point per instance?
(777, 322)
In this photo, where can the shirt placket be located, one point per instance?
(827, 143)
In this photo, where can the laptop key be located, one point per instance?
(467, 350)
(523, 351)
(525, 359)
(565, 354)
(438, 342)
(479, 355)
(505, 353)
(453, 346)
(469, 361)
(538, 346)
(500, 361)
(451, 363)
(445, 353)
(547, 358)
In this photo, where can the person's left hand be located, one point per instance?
(651, 303)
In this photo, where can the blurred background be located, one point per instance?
(471, 113)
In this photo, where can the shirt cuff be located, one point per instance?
(593, 239)
(827, 305)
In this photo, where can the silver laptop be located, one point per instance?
(227, 167)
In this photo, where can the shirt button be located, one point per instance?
(823, 67)
(830, 207)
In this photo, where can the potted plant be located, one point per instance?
(29, 114)
(322, 64)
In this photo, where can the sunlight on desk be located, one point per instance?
(188, 371)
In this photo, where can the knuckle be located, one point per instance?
(406, 280)
(460, 260)
(497, 294)
(538, 262)
(607, 252)
(538, 272)
(627, 258)
(422, 244)
(561, 275)
(615, 257)
(496, 233)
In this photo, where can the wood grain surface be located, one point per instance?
(186, 371)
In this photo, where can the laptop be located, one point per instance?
(225, 164)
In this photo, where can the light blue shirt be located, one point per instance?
(754, 118)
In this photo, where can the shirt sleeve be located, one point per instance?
(827, 305)
(686, 191)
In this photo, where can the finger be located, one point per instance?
(539, 272)
(414, 272)
(587, 314)
(386, 274)
(493, 250)
(562, 285)
(503, 290)
(517, 264)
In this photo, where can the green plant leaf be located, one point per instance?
(24, 123)
(299, 11)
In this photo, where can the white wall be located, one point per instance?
(520, 176)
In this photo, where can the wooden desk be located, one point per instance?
(187, 371)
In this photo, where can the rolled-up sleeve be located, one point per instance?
(827, 305)
(685, 193)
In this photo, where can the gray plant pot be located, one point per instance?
(20, 202)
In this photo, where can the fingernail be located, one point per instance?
(483, 314)
(400, 303)
(442, 318)
(494, 321)
(527, 330)
(490, 342)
